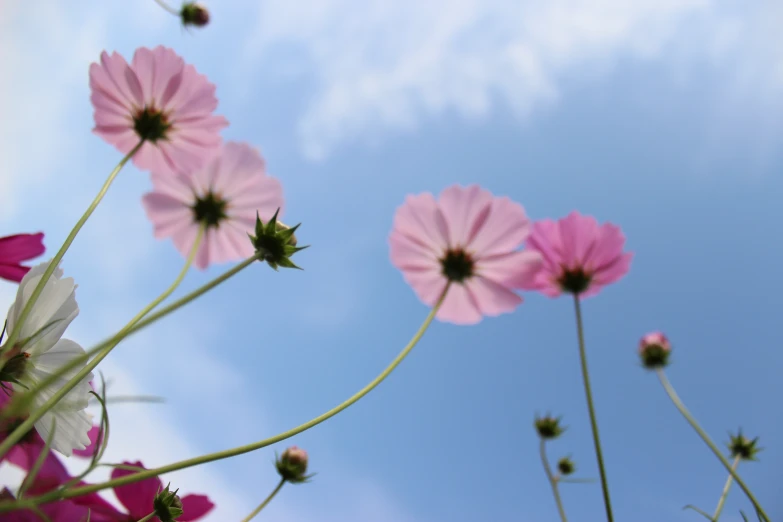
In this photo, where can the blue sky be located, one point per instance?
(662, 117)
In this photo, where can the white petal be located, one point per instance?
(52, 313)
(70, 429)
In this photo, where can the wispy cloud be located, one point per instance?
(384, 65)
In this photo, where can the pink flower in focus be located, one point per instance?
(580, 256)
(224, 196)
(18, 248)
(160, 99)
(138, 497)
(468, 237)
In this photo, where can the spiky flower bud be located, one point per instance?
(292, 465)
(193, 13)
(742, 447)
(566, 466)
(654, 350)
(549, 427)
(275, 243)
(167, 505)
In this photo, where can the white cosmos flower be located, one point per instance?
(45, 352)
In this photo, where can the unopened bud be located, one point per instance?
(548, 427)
(167, 505)
(654, 350)
(566, 466)
(193, 13)
(742, 447)
(292, 465)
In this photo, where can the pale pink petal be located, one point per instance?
(578, 234)
(184, 240)
(505, 229)
(427, 284)
(407, 254)
(168, 215)
(420, 220)
(492, 298)
(459, 307)
(465, 211)
(517, 269)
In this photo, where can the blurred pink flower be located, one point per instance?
(18, 248)
(138, 496)
(160, 99)
(580, 256)
(225, 196)
(468, 237)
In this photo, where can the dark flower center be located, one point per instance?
(209, 210)
(575, 281)
(457, 265)
(151, 124)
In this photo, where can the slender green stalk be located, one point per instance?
(591, 409)
(266, 501)
(552, 481)
(25, 426)
(725, 493)
(55, 262)
(163, 312)
(130, 479)
(148, 517)
(706, 438)
(167, 7)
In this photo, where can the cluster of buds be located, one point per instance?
(292, 465)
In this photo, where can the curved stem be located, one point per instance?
(725, 493)
(706, 438)
(135, 477)
(167, 7)
(163, 312)
(28, 424)
(591, 409)
(263, 504)
(55, 262)
(148, 517)
(552, 481)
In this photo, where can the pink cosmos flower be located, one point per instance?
(18, 248)
(158, 99)
(580, 256)
(138, 497)
(467, 237)
(224, 196)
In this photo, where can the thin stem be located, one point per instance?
(148, 517)
(552, 481)
(725, 493)
(706, 438)
(135, 477)
(167, 7)
(266, 501)
(25, 426)
(591, 409)
(163, 312)
(55, 262)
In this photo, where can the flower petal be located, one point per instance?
(194, 507)
(138, 496)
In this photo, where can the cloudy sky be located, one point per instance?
(663, 116)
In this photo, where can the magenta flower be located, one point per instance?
(158, 99)
(467, 237)
(580, 256)
(138, 497)
(18, 248)
(224, 196)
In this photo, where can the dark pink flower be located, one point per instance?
(467, 237)
(138, 497)
(580, 256)
(162, 100)
(18, 248)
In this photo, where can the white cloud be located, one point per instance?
(381, 64)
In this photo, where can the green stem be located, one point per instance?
(148, 517)
(28, 424)
(266, 501)
(725, 493)
(55, 262)
(706, 438)
(552, 481)
(135, 477)
(167, 7)
(591, 409)
(163, 312)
